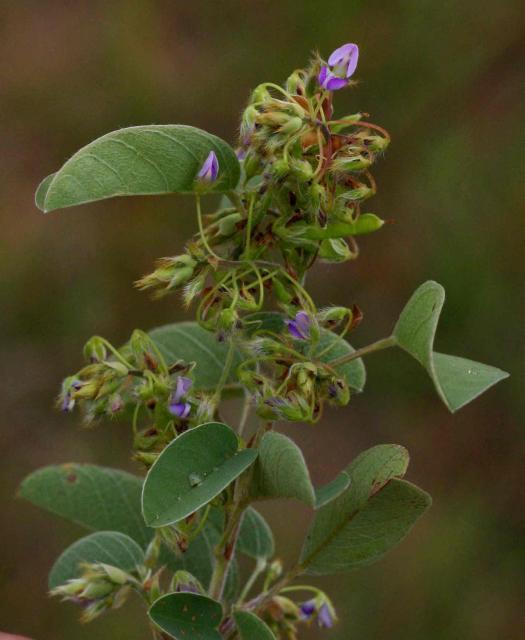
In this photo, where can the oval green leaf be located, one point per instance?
(145, 160)
(109, 547)
(186, 616)
(251, 627)
(281, 471)
(98, 498)
(372, 515)
(191, 471)
(457, 380)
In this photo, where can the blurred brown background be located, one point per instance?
(446, 78)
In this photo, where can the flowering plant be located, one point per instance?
(292, 194)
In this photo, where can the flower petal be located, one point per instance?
(342, 53)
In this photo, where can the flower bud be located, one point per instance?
(301, 169)
(95, 349)
(183, 581)
(280, 168)
(338, 391)
(209, 172)
(350, 163)
(332, 316)
(334, 250)
(295, 83)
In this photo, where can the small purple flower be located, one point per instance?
(210, 168)
(300, 326)
(178, 406)
(325, 617)
(342, 64)
(307, 609)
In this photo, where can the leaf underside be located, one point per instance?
(371, 516)
(98, 498)
(457, 380)
(281, 471)
(144, 160)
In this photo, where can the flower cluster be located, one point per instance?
(136, 380)
(100, 587)
(283, 615)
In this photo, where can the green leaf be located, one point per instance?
(330, 491)
(280, 470)
(334, 347)
(457, 380)
(95, 497)
(194, 468)
(186, 616)
(190, 342)
(251, 627)
(109, 547)
(41, 192)
(371, 516)
(255, 536)
(146, 160)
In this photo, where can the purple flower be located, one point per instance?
(178, 406)
(300, 326)
(307, 609)
(325, 617)
(210, 168)
(342, 64)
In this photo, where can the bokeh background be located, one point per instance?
(446, 78)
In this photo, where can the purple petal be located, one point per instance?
(334, 83)
(180, 409)
(308, 609)
(303, 323)
(322, 75)
(325, 617)
(182, 388)
(210, 168)
(341, 54)
(294, 330)
(352, 61)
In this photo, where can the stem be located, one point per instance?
(258, 569)
(226, 371)
(225, 550)
(384, 343)
(245, 413)
(261, 600)
(201, 229)
(249, 228)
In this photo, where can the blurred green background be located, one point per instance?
(446, 78)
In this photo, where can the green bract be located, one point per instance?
(174, 534)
